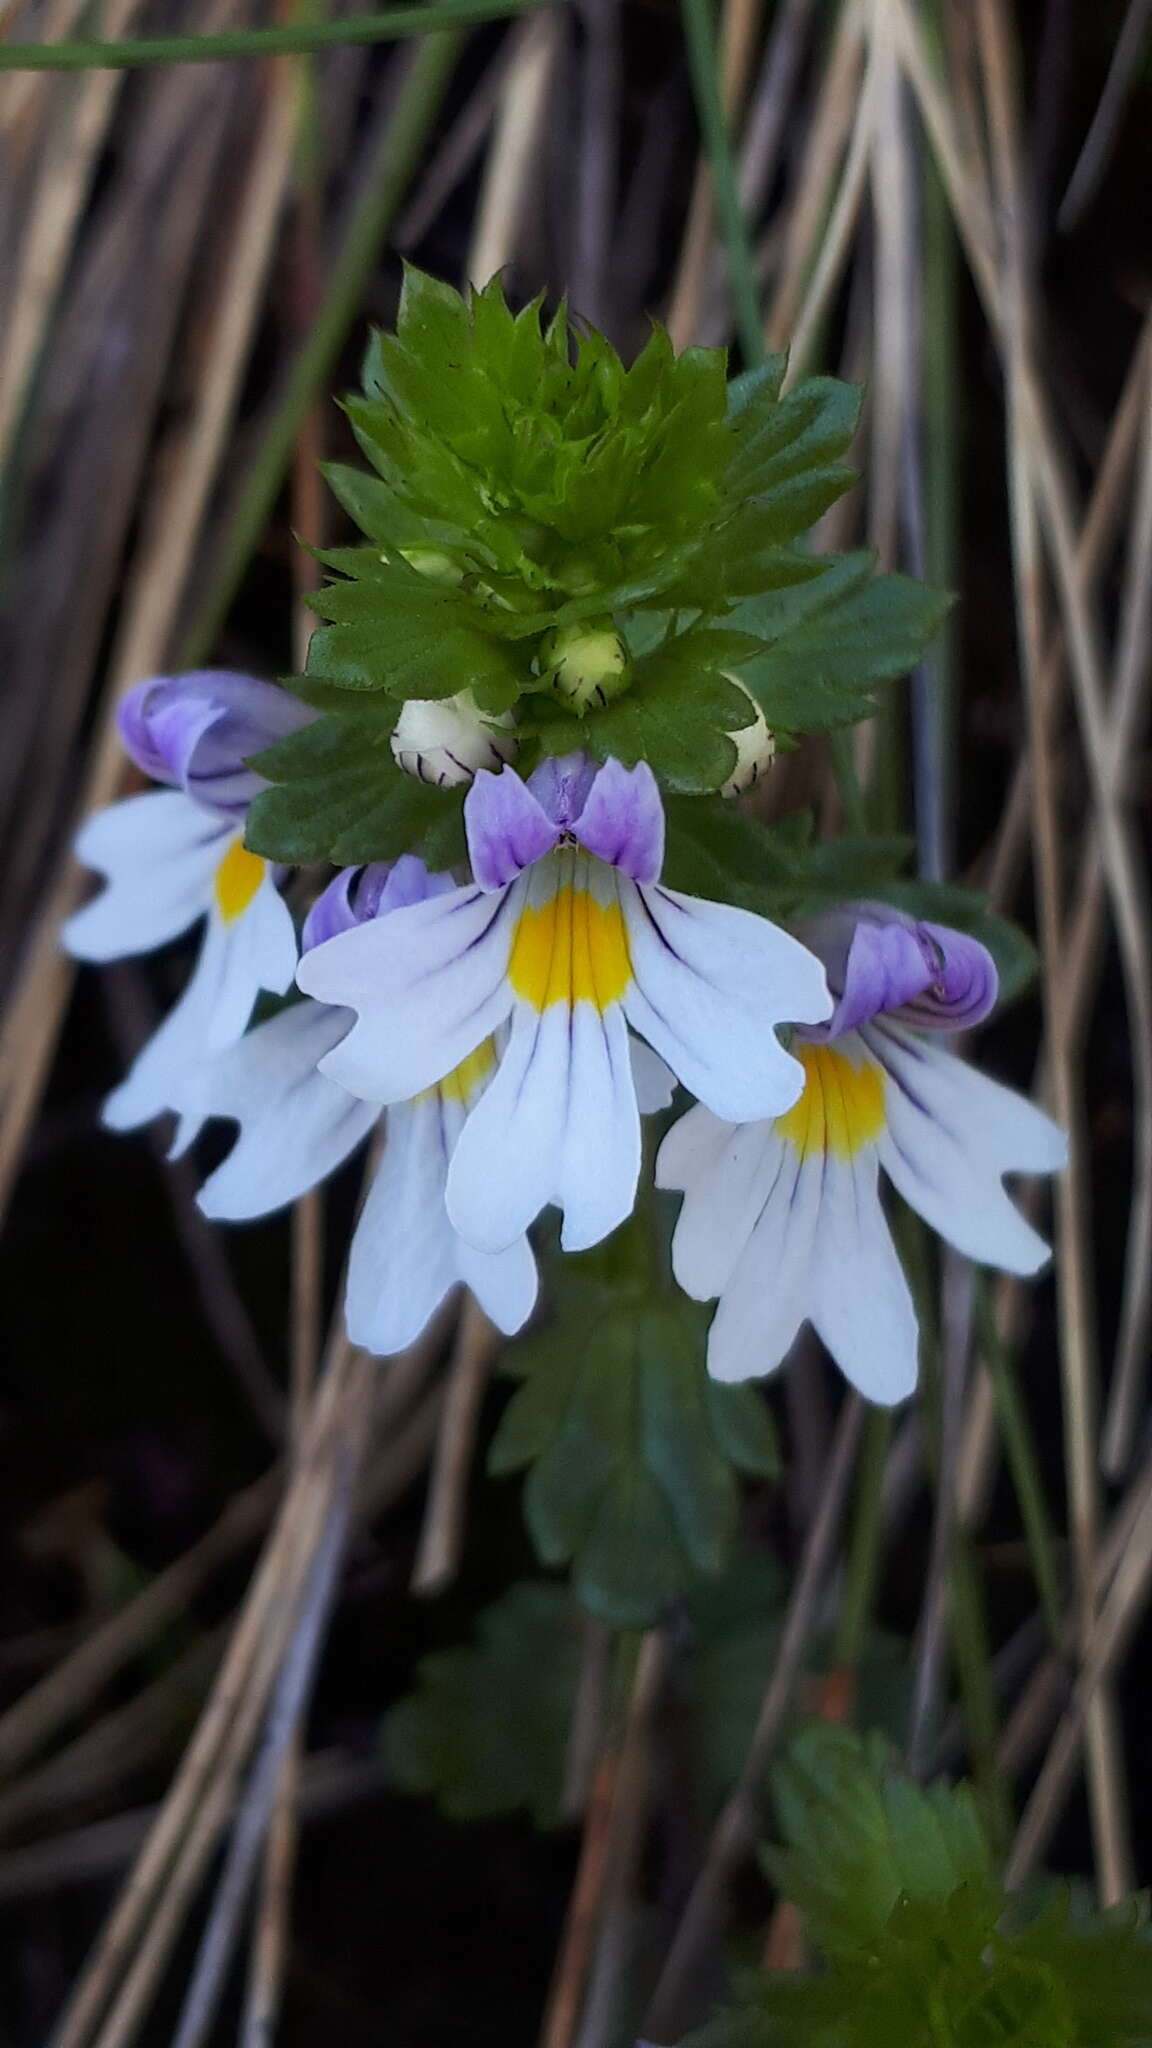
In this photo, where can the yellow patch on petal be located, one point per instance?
(571, 949)
(465, 1080)
(842, 1107)
(238, 877)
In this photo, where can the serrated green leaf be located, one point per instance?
(715, 849)
(486, 1728)
(782, 440)
(761, 383)
(859, 1838)
(822, 670)
(630, 1480)
(339, 796)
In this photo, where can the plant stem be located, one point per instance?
(394, 23)
(864, 1545)
(411, 119)
(700, 37)
(1023, 1465)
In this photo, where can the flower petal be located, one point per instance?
(726, 1172)
(951, 1133)
(768, 1293)
(623, 820)
(428, 984)
(159, 853)
(406, 1256)
(558, 1123)
(199, 731)
(296, 1126)
(860, 1304)
(252, 951)
(710, 982)
(507, 828)
(403, 1258)
(655, 1083)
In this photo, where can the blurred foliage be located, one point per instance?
(487, 1727)
(920, 1943)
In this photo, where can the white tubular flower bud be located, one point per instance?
(755, 748)
(587, 664)
(446, 739)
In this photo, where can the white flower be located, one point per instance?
(171, 857)
(755, 746)
(445, 740)
(566, 936)
(297, 1127)
(782, 1219)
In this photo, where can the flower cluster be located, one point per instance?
(511, 1028)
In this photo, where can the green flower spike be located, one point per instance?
(609, 558)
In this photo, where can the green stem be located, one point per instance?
(701, 42)
(1023, 1464)
(972, 1652)
(415, 112)
(860, 1577)
(293, 40)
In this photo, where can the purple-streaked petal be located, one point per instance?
(623, 820)
(507, 828)
(357, 895)
(964, 988)
(198, 731)
(561, 786)
(882, 963)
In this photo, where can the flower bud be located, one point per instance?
(587, 664)
(755, 749)
(445, 740)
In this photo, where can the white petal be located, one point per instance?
(428, 985)
(159, 853)
(655, 1083)
(951, 1133)
(769, 1292)
(254, 951)
(727, 1172)
(558, 1123)
(403, 1259)
(504, 1283)
(710, 983)
(860, 1303)
(296, 1127)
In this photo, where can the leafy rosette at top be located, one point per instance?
(566, 936)
(170, 857)
(602, 553)
(782, 1219)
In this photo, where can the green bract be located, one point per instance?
(598, 550)
(920, 1943)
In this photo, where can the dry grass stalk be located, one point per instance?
(739, 29)
(474, 1353)
(515, 145)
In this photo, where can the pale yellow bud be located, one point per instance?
(587, 664)
(446, 739)
(755, 749)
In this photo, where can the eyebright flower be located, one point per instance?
(297, 1126)
(445, 740)
(783, 1220)
(566, 934)
(172, 856)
